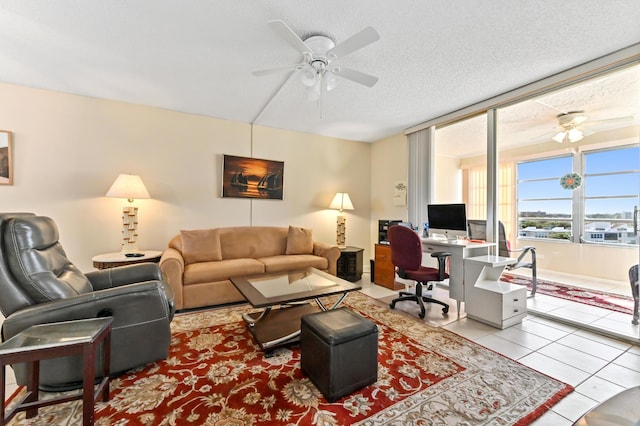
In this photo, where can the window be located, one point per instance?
(611, 181)
(608, 198)
(544, 207)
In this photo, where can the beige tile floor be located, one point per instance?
(594, 350)
(570, 346)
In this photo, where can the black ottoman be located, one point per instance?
(339, 352)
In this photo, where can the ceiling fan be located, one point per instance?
(574, 125)
(570, 127)
(319, 68)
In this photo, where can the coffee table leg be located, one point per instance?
(251, 321)
(335, 305)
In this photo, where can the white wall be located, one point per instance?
(389, 164)
(448, 186)
(69, 149)
(590, 260)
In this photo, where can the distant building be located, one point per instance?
(595, 232)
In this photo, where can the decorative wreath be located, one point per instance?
(571, 181)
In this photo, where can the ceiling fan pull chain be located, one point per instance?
(320, 96)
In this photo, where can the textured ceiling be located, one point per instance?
(196, 56)
(610, 102)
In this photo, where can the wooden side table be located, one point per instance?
(349, 265)
(54, 340)
(111, 260)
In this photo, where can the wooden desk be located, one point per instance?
(460, 250)
(489, 300)
(112, 260)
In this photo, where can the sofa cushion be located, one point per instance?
(293, 262)
(221, 270)
(252, 241)
(201, 245)
(299, 241)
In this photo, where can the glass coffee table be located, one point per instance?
(285, 298)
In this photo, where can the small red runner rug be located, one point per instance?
(587, 296)
(216, 375)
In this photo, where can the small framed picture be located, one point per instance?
(6, 158)
(244, 177)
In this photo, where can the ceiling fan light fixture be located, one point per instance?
(331, 80)
(308, 77)
(574, 135)
(559, 137)
(571, 135)
(313, 92)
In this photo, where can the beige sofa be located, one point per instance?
(199, 263)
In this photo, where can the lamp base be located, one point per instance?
(341, 231)
(129, 230)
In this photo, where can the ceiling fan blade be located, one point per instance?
(284, 31)
(355, 42)
(278, 70)
(586, 132)
(614, 120)
(355, 76)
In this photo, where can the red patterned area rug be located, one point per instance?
(216, 375)
(587, 296)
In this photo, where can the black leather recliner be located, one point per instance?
(38, 284)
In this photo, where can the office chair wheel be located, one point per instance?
(445, 310)
(421, 315)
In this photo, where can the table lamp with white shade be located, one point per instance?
(129, 187)
(341, 202)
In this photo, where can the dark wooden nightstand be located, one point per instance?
(111, 260)
(349, 265)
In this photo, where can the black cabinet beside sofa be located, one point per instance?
(349, 265)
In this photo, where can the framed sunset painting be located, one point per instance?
(244, 177)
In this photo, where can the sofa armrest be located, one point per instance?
(172, 266)
(328, 251)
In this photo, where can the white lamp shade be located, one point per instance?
(129, 187)
(341, 201)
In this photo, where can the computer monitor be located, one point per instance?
(448, 220)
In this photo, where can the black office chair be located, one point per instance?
(478, 231)
(406, 255)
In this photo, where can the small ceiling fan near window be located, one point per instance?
(319, 68)
(573, 126)
(570, 129)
